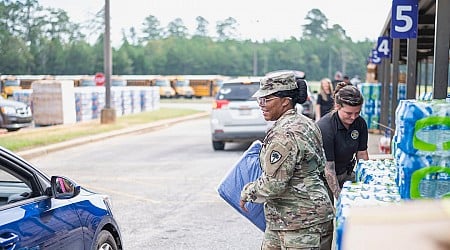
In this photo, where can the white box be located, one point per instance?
(53, 102)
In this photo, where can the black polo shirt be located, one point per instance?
(339, 143)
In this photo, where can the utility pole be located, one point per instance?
(329, 63)
(255, 60)
(108, 114)
(344, 60)
(255, 54)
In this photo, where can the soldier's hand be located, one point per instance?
(242, 205)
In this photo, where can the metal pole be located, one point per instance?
(441, 48)
(395, 71)
(108, 114)
(255, 60)
(411, 69)
(107, 59)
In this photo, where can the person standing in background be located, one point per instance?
(345, 137)
(346, 79)
(297, 208)
(337, 79)
(325, 101)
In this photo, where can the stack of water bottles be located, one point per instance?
(420, 168)
(421, 147)
(371, 107)
(375, 185)
(372, 101)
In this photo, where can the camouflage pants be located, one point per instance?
(318, 237)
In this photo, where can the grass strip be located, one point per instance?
(40, 136)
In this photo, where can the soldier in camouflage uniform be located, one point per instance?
(297, 208)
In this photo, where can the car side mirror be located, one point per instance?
(63, 188)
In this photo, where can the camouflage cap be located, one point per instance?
(276, 81)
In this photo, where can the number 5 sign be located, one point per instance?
(404, 18)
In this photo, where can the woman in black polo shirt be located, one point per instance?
(344, 135)
(324, 103)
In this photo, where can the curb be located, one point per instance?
(35, 152)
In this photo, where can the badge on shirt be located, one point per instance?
(354, 134)
(275, 156)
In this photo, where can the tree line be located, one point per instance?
(44, 41)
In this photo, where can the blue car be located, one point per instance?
(37, 212)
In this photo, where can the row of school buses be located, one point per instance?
(187, 86)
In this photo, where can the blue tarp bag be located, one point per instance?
(246, 169)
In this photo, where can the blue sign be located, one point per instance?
(374, 58)
(384, 46)
(404, 18)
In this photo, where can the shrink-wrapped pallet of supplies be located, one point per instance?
(83, 103)
(149, 98)
(116, 100)
(53, 102)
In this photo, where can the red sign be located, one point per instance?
(99, 79)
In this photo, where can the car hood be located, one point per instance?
(85, 191)
(15, 104)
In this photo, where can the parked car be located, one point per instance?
(38, 212)
(235, 116)
(14, 115)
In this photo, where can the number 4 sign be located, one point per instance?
(404, 18)
(384, 46)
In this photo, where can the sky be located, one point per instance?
(257, 19)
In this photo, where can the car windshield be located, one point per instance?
(162, 83)
(86, 82)
(238, 91)
(12, 83)
(182, 83)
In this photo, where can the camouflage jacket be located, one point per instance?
(291, 158)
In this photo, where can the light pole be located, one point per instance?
(255, 52)
(108, 114)
(255, 60)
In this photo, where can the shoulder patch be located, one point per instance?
(275, 156)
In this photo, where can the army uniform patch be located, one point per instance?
(275, 156)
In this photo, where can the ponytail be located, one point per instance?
(347, 93)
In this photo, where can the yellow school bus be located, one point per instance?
(165, 89)
(8, 85)
(181, 86)
(205, 85)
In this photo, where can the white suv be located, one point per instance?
(235, 116)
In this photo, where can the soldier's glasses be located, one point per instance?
(262, 101)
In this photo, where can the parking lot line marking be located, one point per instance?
(109, 191)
